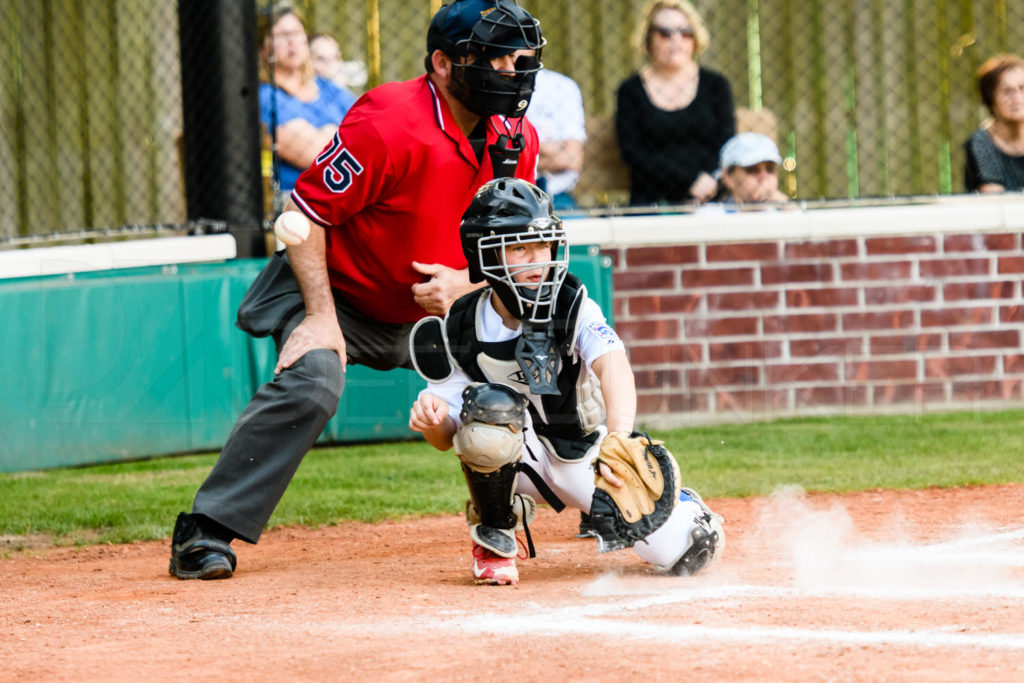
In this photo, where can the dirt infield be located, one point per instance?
(905, 585)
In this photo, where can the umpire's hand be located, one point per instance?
(445, 285)
(316, 331)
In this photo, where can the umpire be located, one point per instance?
(385, 198)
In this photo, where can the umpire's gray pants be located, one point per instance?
(287, 415)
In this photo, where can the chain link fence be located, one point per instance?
(91, 121)
(866, 99)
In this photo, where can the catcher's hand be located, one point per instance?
(639, 495)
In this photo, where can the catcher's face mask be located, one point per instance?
(526, 283)
(526, 270)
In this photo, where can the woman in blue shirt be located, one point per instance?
(304, 109)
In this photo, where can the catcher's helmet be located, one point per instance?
(506, 212)
(487, 29)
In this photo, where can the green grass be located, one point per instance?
(853, 454)
(371, 482)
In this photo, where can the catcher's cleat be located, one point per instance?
(198, 555)
(492, 569)
(586, 527)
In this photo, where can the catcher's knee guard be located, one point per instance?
(491, 434)
(489, 442)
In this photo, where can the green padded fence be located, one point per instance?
(133, 363)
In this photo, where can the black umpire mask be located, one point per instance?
(506, 93)
(458, 86)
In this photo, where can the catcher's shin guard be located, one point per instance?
(524, 507)
(491, 496)
(707, 538)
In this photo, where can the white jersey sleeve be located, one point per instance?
(596, 337)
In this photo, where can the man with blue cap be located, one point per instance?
(749, 170)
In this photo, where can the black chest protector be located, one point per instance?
(555, 416)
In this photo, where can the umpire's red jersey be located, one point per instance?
(391, 189)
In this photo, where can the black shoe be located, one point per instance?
(199, 555)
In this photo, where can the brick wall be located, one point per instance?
(819, 321)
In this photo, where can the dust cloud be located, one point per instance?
(826, 553)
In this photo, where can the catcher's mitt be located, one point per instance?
(650, 477)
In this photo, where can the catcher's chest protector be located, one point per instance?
(553, 415)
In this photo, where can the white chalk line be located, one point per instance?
(593, 619)
(582, 625)
(603, 618)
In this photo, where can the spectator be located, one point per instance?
(302, 109)
(995, 152)
(384, 200)
(749, 170)
(556, 111)
(673, 115)
(327, 63)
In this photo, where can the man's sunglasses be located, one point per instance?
(666, 32)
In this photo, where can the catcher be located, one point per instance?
(533, 389)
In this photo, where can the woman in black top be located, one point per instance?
(673, 116)
(995, 152)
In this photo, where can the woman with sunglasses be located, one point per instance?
(673, 115)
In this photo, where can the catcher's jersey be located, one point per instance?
(594, 338)
(391, 188)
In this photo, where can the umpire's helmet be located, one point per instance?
(507, 212)
(487, 29)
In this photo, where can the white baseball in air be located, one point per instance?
(292, 228)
